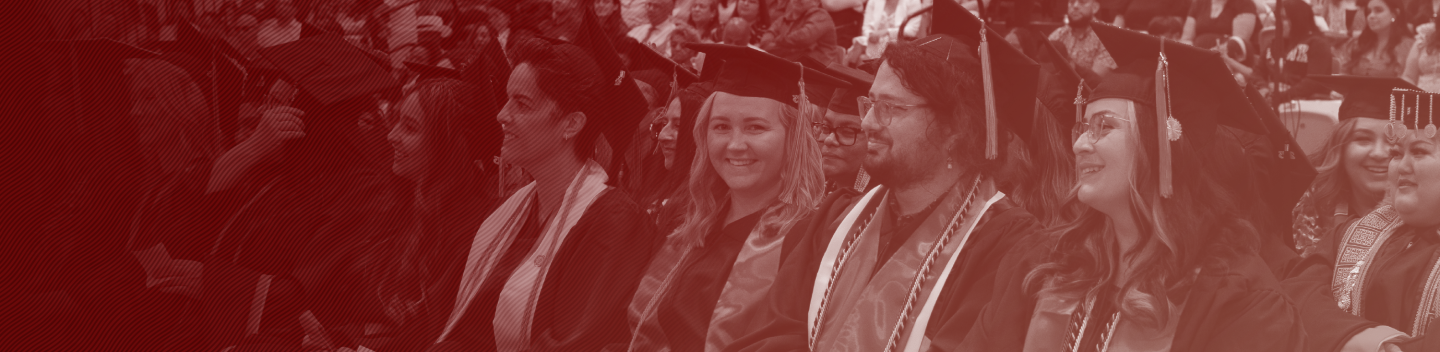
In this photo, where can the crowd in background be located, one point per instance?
(682, 175)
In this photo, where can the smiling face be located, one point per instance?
(411, 157)
(1104, 157)
(671, 133)
(911, 148)
(842, 160)
(531, 121)
(1367, 157)
(1417, 192)
(745, 141)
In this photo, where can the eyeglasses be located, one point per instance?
(884, 111)
(659, 124)
(1097, 126)
(845, 135)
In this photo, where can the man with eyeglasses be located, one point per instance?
(909, 265)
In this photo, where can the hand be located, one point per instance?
(182, 277)
(278, 124)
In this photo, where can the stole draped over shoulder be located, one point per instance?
(868, 293)
(560, 285)
(703, 296)
(1379, 271)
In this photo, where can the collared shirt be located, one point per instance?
(1083, 51)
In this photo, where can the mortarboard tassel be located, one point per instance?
(1162, 123)
(1079, 102)
(1391, 135)
(991, 150)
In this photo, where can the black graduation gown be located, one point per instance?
(1235, 304)
(966, 290)
(587, 289)
(687, 309)
(1393, 290)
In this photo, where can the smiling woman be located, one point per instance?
(756, 172)
(1382, 291)
(1351, 168)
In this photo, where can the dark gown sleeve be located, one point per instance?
(975, 279)
(582, 306)
(1327, 327)
(1239, 308)
(1002, 323)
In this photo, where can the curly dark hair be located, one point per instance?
(952, 88)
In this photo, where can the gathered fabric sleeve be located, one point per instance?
(1327, 326)
(787, 305)
(583, 304)
(1002, 324)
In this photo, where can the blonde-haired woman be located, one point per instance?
(756, 172)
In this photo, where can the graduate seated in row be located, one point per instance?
(755, 173)
(1374, 286)
(1160, 260)
(909, 265)
(1352, 165)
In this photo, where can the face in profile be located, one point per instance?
(409, 142)
(1367, 157)
(1104, 155)
(530, 120)
(670, 134)
(904, 143)
(745, 142)
(1417, 181)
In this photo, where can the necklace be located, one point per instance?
(1080, 322)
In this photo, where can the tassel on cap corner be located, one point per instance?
(991, 138)
(1080, 102)
(1163, 124)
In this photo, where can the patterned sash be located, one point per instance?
(1361, 242)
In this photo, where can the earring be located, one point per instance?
(949, 163)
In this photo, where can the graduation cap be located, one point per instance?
(1059, 88)
(1008, 75)
(1364, 96)
(645, 58)
(329, 69)
(1191, 101)
(843, 100)
(1411, 109)
(623, 105)
(749, 72)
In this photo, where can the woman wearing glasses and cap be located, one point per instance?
(756, 172)
(1159, 261)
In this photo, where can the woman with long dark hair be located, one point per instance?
(1373, 287)
(1382, 46)
(441, 142)
(1299, 51)
(552, 268)
(1353, 164)
(1159, 260)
